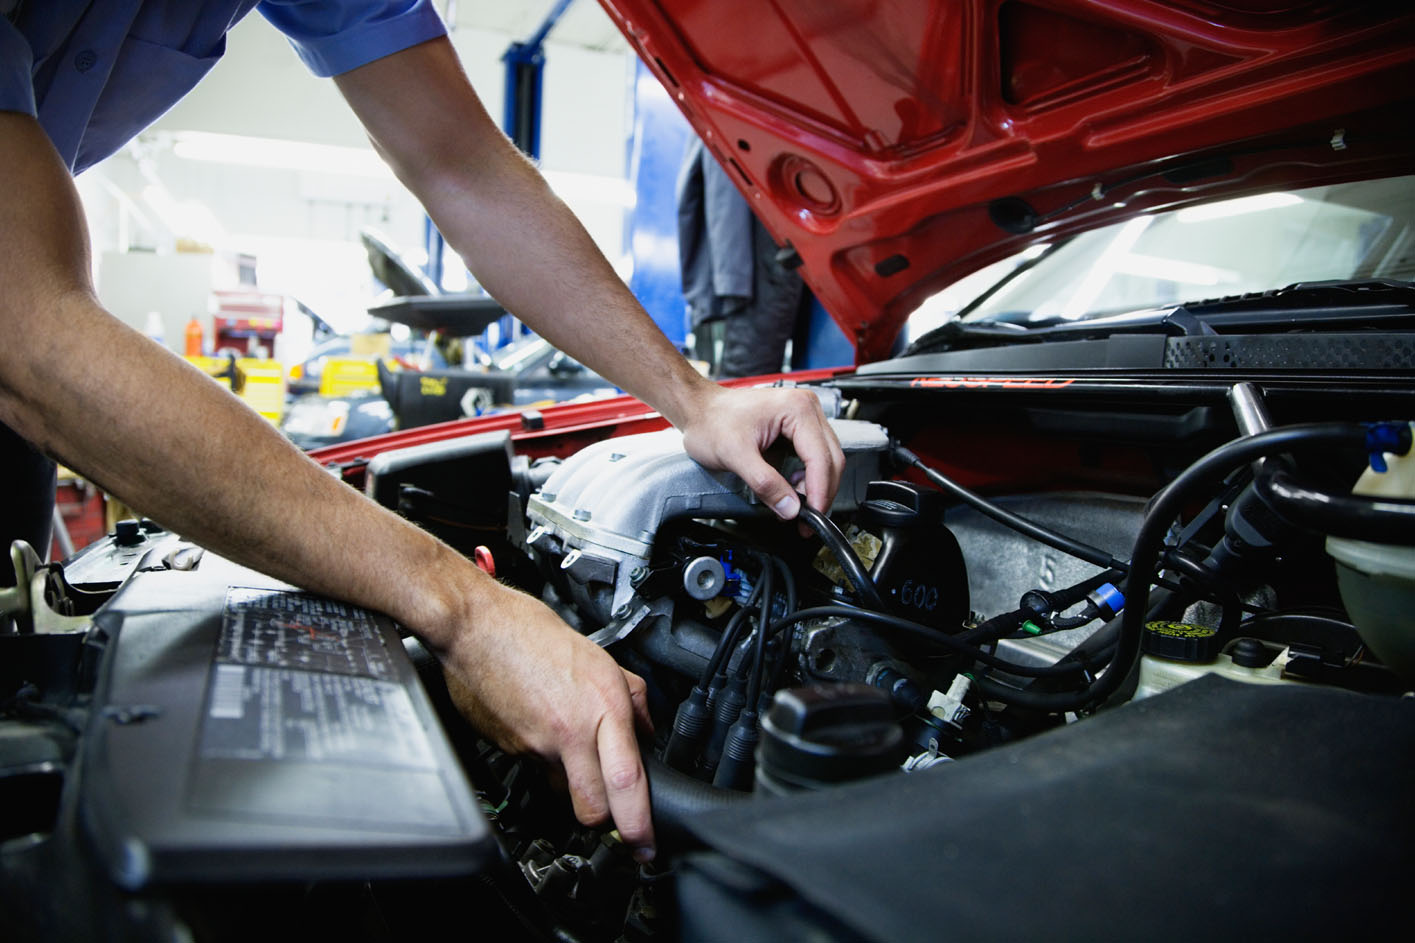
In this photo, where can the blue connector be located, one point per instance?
(1108, 600)
(1383, 437)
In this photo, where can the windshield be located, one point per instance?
(1250, 244)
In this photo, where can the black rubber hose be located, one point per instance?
(754, 680)
(1045, 607)
(855, 571)
(677, 798)
(729, 637)
(957, 643)
(1203, 474)
(1093, 654)
(788, 582)
(1057, 541)
(1382, 520)
(1209, 587)
(1066, 598)
(1004, 623)
(1149, 544)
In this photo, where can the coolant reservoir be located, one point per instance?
(1174, 653)
(1377, 581)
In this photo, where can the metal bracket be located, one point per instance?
(637, 615)
(24, 602)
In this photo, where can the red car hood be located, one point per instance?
(898, 145)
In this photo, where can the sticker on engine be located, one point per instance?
(298, 630)
(257, 713)
(300, 677)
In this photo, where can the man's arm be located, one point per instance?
(157, 433)
(532, 254)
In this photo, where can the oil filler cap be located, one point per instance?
(816, 737)
(1180, 641)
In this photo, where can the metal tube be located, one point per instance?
(1250, 410)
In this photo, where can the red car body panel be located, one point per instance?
(554, 431)
(900, 144)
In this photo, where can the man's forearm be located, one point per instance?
(154, 431)
(522, 242)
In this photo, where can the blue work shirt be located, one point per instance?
(96, 72)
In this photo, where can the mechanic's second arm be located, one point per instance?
(532, 254)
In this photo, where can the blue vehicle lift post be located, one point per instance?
(521, 114)
(525, 64)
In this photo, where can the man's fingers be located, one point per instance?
(765, 481)
(818, 447)
(768, 484)
(607, 781)
(639, 699)
(627, 788)
(587, 793)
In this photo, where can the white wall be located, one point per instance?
(177, 287)
(304, 226)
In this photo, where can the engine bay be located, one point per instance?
(1119, 625)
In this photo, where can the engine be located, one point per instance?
(919, 623)
(688, 579)
(904, 672)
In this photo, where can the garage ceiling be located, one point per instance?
(583, 23)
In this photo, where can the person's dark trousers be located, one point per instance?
(754, 341)
(26, 498)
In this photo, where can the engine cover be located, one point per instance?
(244, 731)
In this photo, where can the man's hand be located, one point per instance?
(734, 426)
(532, 684)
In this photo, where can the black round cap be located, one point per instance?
(127, 533)
(1180, 641)
(818, 736)
(1251, 653)
(899, 504)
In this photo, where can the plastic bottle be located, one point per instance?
(1377, 581)
(194, 338)
(153, 328)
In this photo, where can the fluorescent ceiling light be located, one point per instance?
(1238, 207)
(243, 151)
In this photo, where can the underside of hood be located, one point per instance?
(897, 145)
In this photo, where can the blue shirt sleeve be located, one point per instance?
(334, 36)
(16, 61)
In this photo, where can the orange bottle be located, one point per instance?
(194, 338)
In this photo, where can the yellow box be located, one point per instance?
(263, 386)
(345, 375)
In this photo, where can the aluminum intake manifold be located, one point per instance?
(602, 508)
